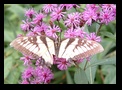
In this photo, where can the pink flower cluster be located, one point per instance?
(74, 24)
(104, 13)
(38, 75)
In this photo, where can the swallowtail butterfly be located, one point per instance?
(46, 47)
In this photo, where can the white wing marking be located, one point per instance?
(30, 45)
(32, 48)
(69, 49)
(62, 47)
(83, 48)
(51, 47)
(80, 50)
(87, 47)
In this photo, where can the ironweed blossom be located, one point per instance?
(29, 13)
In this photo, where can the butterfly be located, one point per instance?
(46, 47)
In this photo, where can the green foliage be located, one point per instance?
(90, 73)
(69, 78)
(110, 72)
(80, 76)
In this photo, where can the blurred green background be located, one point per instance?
(103, 67)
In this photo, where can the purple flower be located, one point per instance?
(43, 27)
(89, 15)
(79, 32)
(24, 82)
(40, 62)
(106, 16)
(29, 13)
(36, 80)
(52, 31)
(114, 11)
(38, 30)
(32, 33)
(92, 36)
(38, 18)
(79, 61)
(92, 7)
(68, 6)
(108, 6)
(19, 35)
(26, 59)
(28, 73)
(26, 26)
(70, 33)
(45, 75)
(37, 71)
(57, 14)
(49, 7)
(73, 20)
(63, 64)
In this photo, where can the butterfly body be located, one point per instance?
(46, 47)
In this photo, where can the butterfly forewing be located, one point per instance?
(35, 46)
(77, 48)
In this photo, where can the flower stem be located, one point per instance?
(85, 65)
(60, 32)
(99, 29)
(76, 65)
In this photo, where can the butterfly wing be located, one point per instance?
(77, 48)
(35, 46)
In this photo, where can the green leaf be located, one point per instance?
(113, 80)
(108, 34)
(111, 60)
(58, 74)
(107, 45)
(8, 36)
(86, 28)
(80, 76)
(14, 76)
(8, 62)
(68, 77)
(110, 74)
(112, 27)
(94, 27)
(18, 10)
(91, 71)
